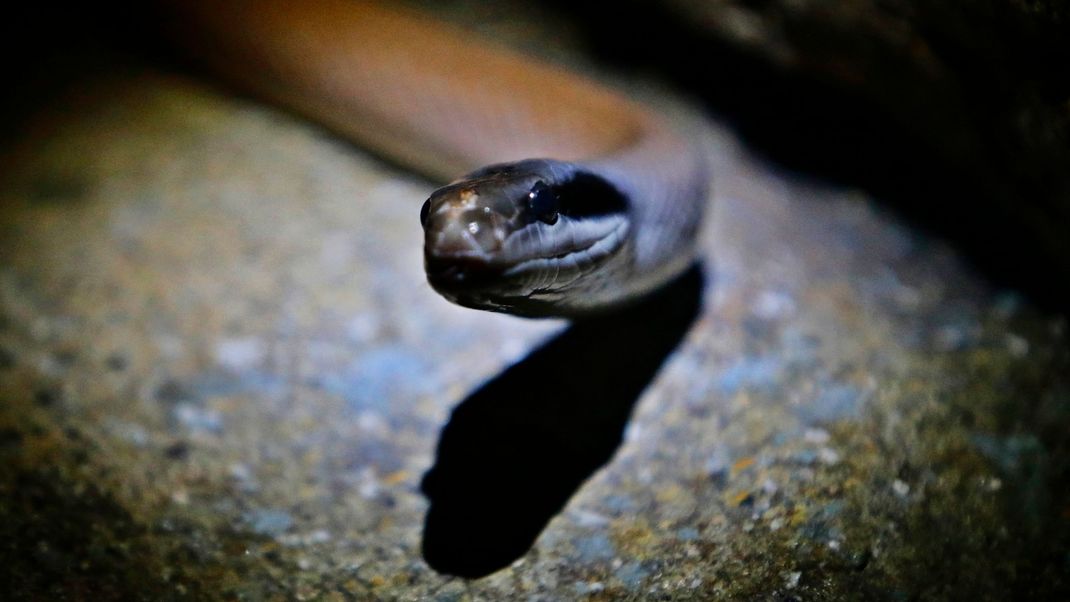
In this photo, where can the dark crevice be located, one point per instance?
(967, 142)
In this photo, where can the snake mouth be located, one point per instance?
(458, 274)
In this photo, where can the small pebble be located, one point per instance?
(363, 328)
(687, 534)
(588, 519)
(267, 521)
(595, 548)
(828, 456)
(773, 305)
(199, 419)
(816, 436)
(631, 574)
(589, 587)
(792, 579)
(240, 353)
(1016, 345)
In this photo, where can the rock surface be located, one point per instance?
(224, 377)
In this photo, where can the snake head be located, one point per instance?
(519, 237)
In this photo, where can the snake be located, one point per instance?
(563, 197)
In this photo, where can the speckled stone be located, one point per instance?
(223, 377)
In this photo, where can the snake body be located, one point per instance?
(574, 200)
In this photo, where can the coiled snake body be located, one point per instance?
(575, 199)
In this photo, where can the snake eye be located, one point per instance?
(542, 203)
(424, 211)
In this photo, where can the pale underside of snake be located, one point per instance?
(575, 199)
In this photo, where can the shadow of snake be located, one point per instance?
(515, 450)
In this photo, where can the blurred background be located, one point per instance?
(223, 376)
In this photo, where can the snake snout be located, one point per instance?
(463, 228)
(460, 247)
